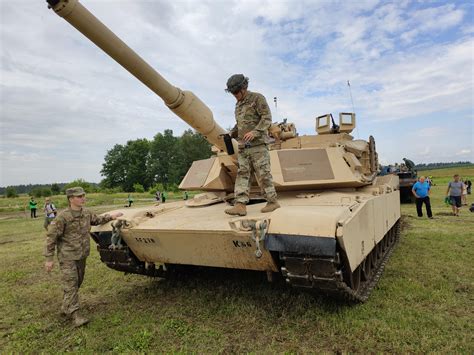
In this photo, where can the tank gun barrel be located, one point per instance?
(184, 104)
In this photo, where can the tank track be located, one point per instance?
(123, 259)
(328, 275)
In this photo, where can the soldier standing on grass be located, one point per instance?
(253, 120)
(69, 234)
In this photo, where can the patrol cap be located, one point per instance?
(75, 191)
(236, 83)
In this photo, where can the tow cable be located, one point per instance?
(116, 238)
(258, 235)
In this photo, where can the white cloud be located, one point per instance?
(464, 152)
(431, 132)
(432, 19)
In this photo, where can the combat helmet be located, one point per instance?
(236, 83)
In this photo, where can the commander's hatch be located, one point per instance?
(325, 124)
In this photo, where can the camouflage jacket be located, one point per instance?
(69, 232)
(252, 114)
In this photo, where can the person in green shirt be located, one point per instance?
(32, 204)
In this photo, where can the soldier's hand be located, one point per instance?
(116, 215)
(248, 136)
(48, 266)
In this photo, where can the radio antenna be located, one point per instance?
(275, 100)
(353, 109)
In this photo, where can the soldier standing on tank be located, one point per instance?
(69, 234)
(253, 120)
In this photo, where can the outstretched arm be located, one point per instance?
(96, 220)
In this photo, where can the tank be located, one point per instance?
(407, 176)
(338, 221)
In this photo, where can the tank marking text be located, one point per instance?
(145, 240)
(240, 244)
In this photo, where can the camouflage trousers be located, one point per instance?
(47, 222)
(257, 158)
(72, 275)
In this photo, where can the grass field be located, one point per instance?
(424, 302)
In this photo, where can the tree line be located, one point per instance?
(45, 190)
(142, 164)
(53, 189)
(429, 166)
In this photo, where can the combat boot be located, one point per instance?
(270, 207)
(78, 320)
(238, 210)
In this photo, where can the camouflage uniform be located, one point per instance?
(69, 234)
(253, 115)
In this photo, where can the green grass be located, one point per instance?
(423, 302)
(443, 176)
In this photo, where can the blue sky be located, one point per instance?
(64, 103)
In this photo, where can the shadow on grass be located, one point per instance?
(239, 286)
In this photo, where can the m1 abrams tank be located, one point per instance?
(338, 220)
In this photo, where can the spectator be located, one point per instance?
(464, 193)
(185, 196)
(421, 190)
(49, 212)
(468, 186)
(158, 196)
(130, 200)
(431, 180)
(455, 189)
(163, 196)
(32, 204)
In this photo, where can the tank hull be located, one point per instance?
(341, 226)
